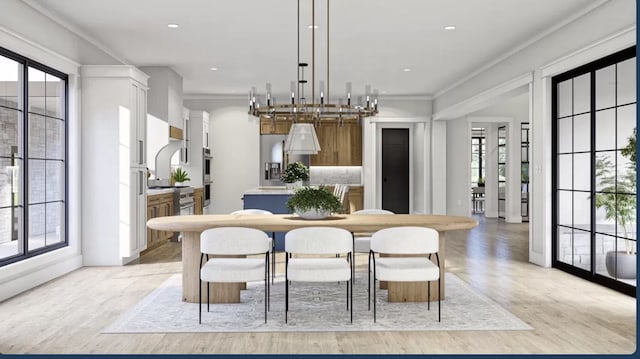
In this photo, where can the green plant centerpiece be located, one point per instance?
(620, 208)
(295, 174)
(314, 203)
(179, 176)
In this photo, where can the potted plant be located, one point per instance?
(294, 174)
(314, 203)
(622, 263)
(179, 176)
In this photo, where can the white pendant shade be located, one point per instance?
(302, 140)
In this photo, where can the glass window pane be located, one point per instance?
(626, 215)
(565, 208)
(582, 133)
(37, 142)
(605, 130)
(10, 83)
(54, 139)
(582, 210)
(10, 233)
(626, 81)
(54, 96)
(582, 249)
(626, 175)
(55, 181)
(9, 182)
(10, 131)
(605, 171)
(626, 124)
(605, 213)
(606, 87)
(565, 135)
(36, 181)
(565, 249)
(36, 226)
(582, 93)
(36, 91)
(604, 244)
(502, 154)
(54, 223)
(582, 171)
(565, 105)
(565, 171)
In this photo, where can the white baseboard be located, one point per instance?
(42, 275)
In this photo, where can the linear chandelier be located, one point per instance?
(298, 108)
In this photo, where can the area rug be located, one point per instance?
(314, 307)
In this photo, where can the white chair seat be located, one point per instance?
(406, 269)
(362, 244)
(233, 270)
(318, 270)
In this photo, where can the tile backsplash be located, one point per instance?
(335, 174)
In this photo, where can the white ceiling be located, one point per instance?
(253, 42)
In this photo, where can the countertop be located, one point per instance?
(269, 190)
(153, 192)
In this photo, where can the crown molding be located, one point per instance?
(523, 46)
(75, 30)
(215, 97)
(425, 97)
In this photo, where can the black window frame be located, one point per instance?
(26, 64)
(590, 68)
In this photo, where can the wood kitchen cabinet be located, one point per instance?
(340, 145)
(198, 196)
(159, 205)
(269, 127)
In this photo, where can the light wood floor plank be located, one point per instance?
(569, 315)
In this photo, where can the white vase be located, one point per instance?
(178, 184)
(293, 186)
(314, 213)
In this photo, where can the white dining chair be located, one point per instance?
(233, 241)
(272, 239)
(402, 241)
(318, 242)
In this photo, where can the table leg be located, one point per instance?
(417, 291)
(218, 292)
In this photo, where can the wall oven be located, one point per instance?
(206, 165)
(207, 194)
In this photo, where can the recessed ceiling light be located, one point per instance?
(312, 26)
(213, 69)
(450, 27)
(406, 69)
(173, 26)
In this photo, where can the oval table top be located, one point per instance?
(287, 222)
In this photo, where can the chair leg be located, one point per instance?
(374, 294)
(286, 287)
(347, 295)
(199, 301)
(208, 297)
(369, 283)
(266, 289)
(428, 295)
(438, 299)
(273, 257)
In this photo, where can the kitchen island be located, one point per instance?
(192, 226)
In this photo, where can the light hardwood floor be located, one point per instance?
(569, 315)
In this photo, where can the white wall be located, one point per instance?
(235, 147)
(55, 46)
(604, 30)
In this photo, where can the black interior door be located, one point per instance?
(395, 169)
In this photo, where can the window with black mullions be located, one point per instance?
(594, 171)
(33, 133)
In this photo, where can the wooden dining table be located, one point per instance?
(192, 225)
